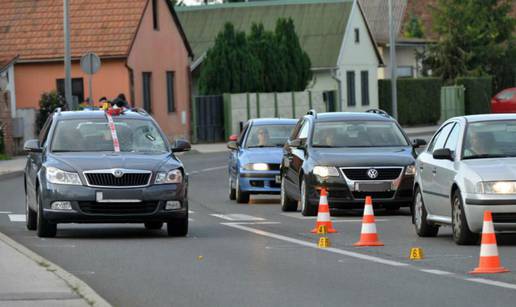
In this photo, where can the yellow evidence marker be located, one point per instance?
(322, 230)
(324, 242)
(416, 253)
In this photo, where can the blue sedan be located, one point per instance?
(254, 161)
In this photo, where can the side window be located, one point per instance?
(451, 143)
(44, 131)
(439, 141)
(303, 133)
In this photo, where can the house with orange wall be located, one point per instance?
(142, 46)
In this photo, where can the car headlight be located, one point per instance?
(174, 176)
(497, 187)
(326, 171)
(410, 170)
(57, 176)
(256, 167)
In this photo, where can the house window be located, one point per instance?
(405, 71)
(155, 21)
(350, 75)
(77, 89)
(147, 87)
(364, 78)
(357, 35)
(171, 103)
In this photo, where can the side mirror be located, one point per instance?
(443, 154)
(233, 145)
(32, 146)
(233, 137)
(181, 145)
(416, 143)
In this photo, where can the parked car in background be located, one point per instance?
(91, 167)
(504, 102)
(255, 156)
(352, 155)
(468, 167)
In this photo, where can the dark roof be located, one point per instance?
(320, 24)
(273, 121)
(34, 28)
(338, 116)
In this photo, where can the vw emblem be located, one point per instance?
(372, 173)
(118, 173)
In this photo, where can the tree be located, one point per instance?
(414, 27)
(47, 104)
(475, 38)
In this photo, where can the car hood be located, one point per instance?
(493, 169)
(363, 156)
(262, 155)
(95, 161)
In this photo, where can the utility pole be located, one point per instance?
(393, 66)
(67, 56)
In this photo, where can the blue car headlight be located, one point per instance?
(256, 167)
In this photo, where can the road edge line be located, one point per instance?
(83, 290)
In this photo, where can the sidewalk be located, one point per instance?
(12, 167)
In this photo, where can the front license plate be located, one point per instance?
(278, 179)
(373, 187)
(116, 197)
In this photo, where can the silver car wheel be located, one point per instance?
(282, 191)
(418, 211)
(303, 192)
(457, 227)
(230, 184)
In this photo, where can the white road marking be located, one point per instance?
(17, 217)
(313, 245)
(207, 169)
(334, 219)
(358, 220)
(191, 211)
(436, 272)
(5, 212)
(190, 220)
(256, 223)
(493, 283)
(238, 217)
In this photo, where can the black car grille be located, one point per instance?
(118, 208)
(504, 217)
(361, 173)
(109, 180)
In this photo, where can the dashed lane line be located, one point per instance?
(238, 217)
(5, 212)
(493, 283)
(208, 169)
(333, 219)
(436, 272)
(17, 217)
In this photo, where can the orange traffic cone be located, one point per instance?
(368, 235)
(323, 214)
(489, 260)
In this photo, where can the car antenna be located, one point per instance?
(312, 112)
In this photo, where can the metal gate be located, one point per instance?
(209, 118)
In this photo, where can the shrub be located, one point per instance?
(477, 98)
(47, 104)
(419, 100)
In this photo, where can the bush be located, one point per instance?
(477, 98)
(47, 104)
(419, 100)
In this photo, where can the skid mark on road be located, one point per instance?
(375, 259)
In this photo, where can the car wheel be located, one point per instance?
(287, 204)
(419, 214)
(178, 227)
(45, 229)
(232, 191)
(31, 217)
(153, 225)
(241, 197)
(306, 208)
(461, 233)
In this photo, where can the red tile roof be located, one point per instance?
(34, 28)
(6, 60)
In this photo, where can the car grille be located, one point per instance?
(109, 180)
(384, 173)
(374, 195)
(118, 208)
(504, 217)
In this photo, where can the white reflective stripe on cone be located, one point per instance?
(323, 216)
(487, 250)
(488, 227)
(368, 228)
(323, 200)
(368, 210)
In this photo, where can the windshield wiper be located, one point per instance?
(482, 156)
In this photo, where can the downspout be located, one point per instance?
(339, 87)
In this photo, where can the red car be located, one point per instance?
(504, 102)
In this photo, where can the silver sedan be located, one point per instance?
(468, 167)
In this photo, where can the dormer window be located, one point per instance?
(155, 20)
(357, 35)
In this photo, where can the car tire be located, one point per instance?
(232, 191)
(153, 225)
(461, 233)
(45, 229)
(178, 227)
(287, 204)
(31, 217)
(241, 197)
(307, 209)
(419, 214)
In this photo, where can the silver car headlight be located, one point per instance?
(57, 176)
(410, 170)
(256, 167)
(326, 171)
(173, 176)
(496, 187)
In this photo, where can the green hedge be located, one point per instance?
(419, 100)
(479, 91)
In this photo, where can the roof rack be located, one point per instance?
(312, 112)
(379, 111)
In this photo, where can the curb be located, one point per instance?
(78, 286)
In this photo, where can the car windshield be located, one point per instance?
(268, 135)
(134, 135)
(490, 139)
(358, 134)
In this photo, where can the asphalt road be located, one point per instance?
(253, 255)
